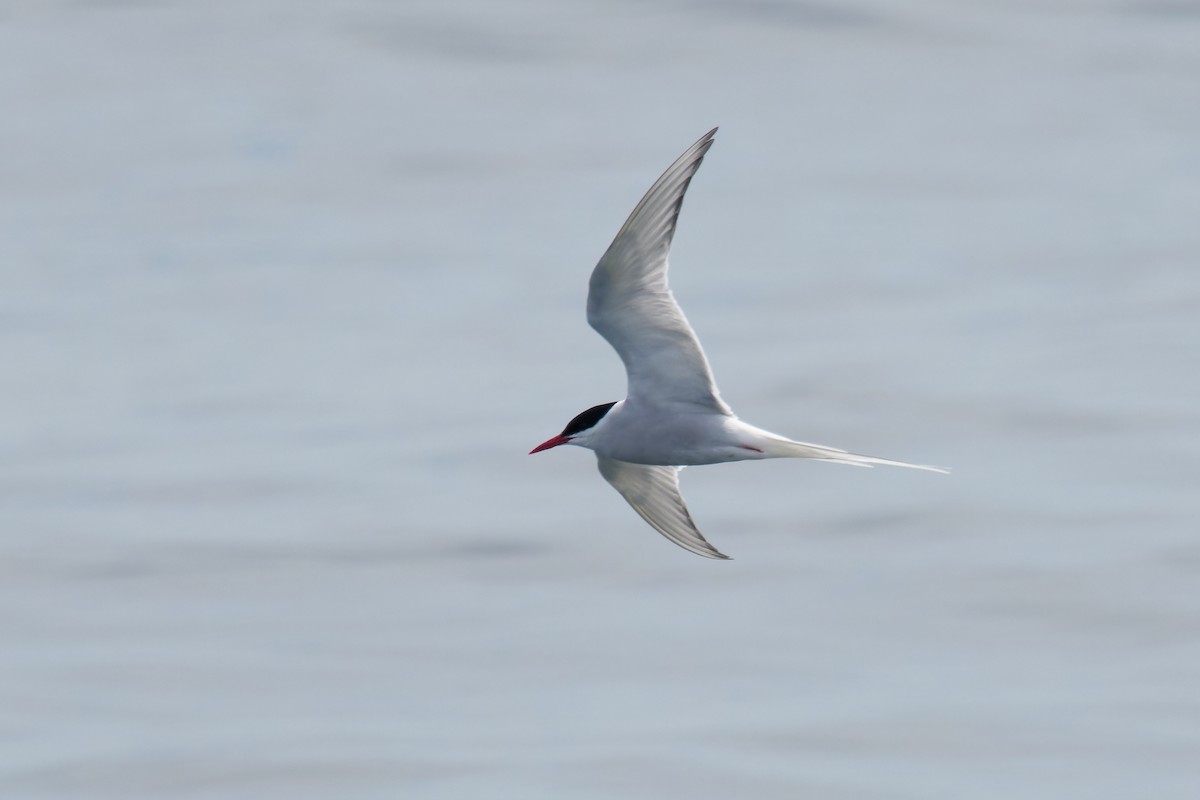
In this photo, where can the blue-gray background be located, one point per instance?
(289, 290)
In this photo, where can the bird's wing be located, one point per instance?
(654, 494)
(630, 305)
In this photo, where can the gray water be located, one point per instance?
(290, 289)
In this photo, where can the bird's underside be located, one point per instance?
(648, 476)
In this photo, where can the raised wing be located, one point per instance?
(630, 305)
(654, 493)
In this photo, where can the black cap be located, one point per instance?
(587, 419)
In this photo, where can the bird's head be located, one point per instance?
(578, 430)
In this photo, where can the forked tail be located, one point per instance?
(779, 447)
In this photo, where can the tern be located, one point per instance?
(672, 416)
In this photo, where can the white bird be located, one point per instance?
(673, 415)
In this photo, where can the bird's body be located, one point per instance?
(673, 415)
(684, 437)
(642, 433)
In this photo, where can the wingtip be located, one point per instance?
(706, 549)
(704, 142)
(702, 548)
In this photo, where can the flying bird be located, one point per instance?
(672, 415)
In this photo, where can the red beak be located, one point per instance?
(551, 442)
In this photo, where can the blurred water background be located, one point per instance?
(288, 290)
